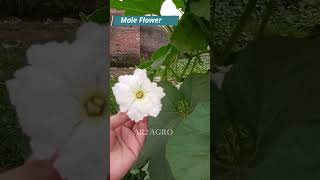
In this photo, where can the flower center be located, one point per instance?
(139, 94)
(95, 106)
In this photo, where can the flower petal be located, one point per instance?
(83, 63)
(85, 156)
(44, 106)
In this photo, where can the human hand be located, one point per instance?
(126, 143)
(34, 170)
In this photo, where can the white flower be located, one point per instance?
(60, 100)
(168, 8)
(138, 96)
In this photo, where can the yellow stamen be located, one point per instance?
(139, 94)
(95, 106)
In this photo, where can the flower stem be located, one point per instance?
(199, 53)
(174, 73)
(194, 63)
(268, 13)
(237, 31)
(212, 28)
(164, 74)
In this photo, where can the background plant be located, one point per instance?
(259, 132)
(233, 26)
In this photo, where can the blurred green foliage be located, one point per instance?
(294, 18)
(44, 8)
(14, 144)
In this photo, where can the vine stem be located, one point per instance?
(168, 30)
(164, 74)
(194, 63)
(185, 68)
(237, 31)
(199, 53)
(174, 73)
(268, 13)
(212, 27)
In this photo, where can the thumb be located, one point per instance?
(118, 120)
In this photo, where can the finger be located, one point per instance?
(44, 162)
(34, 158)
(118, 120)
(130, 140)
(54, 174)
(119, 137)
(129, 124)
(37, 161)
(113, 140)
(141, 126)
(54, 157)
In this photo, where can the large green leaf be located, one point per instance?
(218, 108)
(196, 88)
(145, 65)
(200, 8)
(272, 90)
(293, 155)
(164, 56)
(138, 7)
(154, 149)
(176, 109)
(188, 150)
(189, 34)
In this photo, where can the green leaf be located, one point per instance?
(179, 4)
(145, 65)
(292, 156)
(272, 91)
(189, 35)
(220, 122)
(176, 107)
(154, 149)
(188, 150)
(200, 8)
(164, 56)
(138, 7)
(196, 88)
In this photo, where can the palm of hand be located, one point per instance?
(126, 143)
